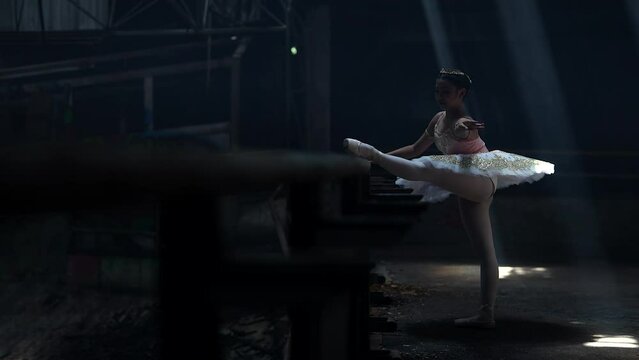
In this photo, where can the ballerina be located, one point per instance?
(467, 169)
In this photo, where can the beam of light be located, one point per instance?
(616, 341)
(549, 126)
(535, 73)
(507, 271)
(443, 52)
(633, 13)
(545, 107)
(438, 33)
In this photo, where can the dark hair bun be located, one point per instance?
(457, 77)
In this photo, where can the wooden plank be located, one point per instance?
(90, 174)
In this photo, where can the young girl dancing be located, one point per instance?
(467, 169)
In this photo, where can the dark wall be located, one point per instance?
(384, 67)
(263, 106)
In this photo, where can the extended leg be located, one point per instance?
(471, 187)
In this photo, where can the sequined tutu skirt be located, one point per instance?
(504, 168)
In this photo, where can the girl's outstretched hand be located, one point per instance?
(472, 125)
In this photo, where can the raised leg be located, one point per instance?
(470, 187)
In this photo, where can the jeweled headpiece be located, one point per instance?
(447, 71)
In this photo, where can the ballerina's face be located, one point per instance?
(447, 95)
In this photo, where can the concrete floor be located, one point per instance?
(543, 312)
(52, 322)
(557, 312)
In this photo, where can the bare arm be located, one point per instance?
(423, 143)
(467, 129)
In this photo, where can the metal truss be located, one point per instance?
(233, 20)
(208, 17)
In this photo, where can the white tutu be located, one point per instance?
(504, 168)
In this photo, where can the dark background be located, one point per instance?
(554, 80)
(385, 67)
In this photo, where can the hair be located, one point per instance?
(457, 77)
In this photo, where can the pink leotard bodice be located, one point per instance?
(448, 144)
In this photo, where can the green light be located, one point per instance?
(293, 50)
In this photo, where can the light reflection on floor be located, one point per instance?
(617, 341)
(507, 271)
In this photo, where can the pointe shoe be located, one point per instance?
(361, 149)
(483, 320)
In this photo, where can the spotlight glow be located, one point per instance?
(293, 50)
(617, 341)
(507, 271)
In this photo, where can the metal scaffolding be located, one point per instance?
(113, 17)
(200, 23)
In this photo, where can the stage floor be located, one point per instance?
(542, 312)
